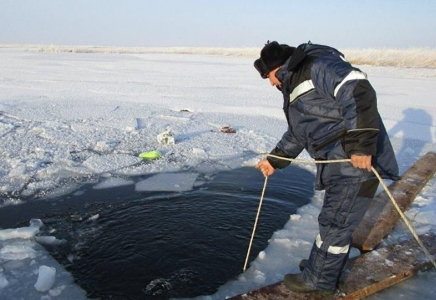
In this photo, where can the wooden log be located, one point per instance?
(364, 275)
(384, 267)
(381, 215)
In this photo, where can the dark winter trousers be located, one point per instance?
(343, 209)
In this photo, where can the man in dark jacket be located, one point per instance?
(331, 110)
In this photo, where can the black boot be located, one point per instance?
(295, 283)
(303, 264)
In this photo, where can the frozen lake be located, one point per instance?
(72, 126)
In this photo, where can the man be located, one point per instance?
(331, 110)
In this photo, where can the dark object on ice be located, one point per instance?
(302, 264)
(381, 215)
(364, 275)
(227, 129)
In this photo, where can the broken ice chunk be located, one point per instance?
(46, 278)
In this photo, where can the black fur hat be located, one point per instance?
(272, 55)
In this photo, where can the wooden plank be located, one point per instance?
(364, 275)
(381, 215)
(384, 267)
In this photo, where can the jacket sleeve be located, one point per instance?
(336, 79)
(287, 147)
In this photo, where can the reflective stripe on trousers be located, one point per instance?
(343, 209)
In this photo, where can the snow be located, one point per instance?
(66, 117)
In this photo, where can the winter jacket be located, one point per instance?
(331, 109)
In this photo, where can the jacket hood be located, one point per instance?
(300, 53)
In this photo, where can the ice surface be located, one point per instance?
(24, 232)
(426, 217)
(27, 271)
(112, 182)
(3, 281)
(16, 252)
(170, 182)
(67, 116)
(110, 162)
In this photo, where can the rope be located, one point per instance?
(403, 216)
(255, 222)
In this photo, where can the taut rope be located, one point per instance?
(403, 216)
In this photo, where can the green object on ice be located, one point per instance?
(150, 155)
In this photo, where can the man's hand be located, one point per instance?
(361, 161)
(265, 167)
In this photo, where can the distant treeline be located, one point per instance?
(408, 58)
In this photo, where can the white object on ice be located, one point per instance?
(18, 233)
(49, 240)
(46, 278)
(17, 252)
(36, 223)
(94, 217)
(22, 232)
(166, 137)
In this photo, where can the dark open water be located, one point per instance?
(160, 245)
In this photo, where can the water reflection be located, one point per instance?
(160, 245)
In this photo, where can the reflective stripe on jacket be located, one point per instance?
(331, 109)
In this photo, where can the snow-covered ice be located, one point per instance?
(69, 118)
